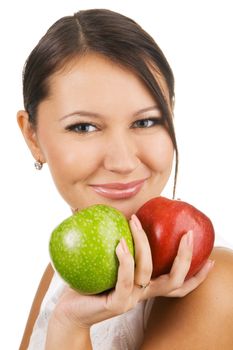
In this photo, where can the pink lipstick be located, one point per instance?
(119, 190)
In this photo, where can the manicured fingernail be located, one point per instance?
(124, 246)
(211, 264)
(189, 238)
(136, 222)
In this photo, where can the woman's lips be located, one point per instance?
(119, 190)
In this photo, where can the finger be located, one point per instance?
(143, 259)
(182, 262)
(164, 285)
(125, 277)
(194, 281)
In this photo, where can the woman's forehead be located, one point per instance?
(93, 68)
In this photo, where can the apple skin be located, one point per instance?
(82, 248)
(165, 221)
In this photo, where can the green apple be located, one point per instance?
(82, 248)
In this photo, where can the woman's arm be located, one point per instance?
(201, 320)
(78, 338)
(42, 289)
(65, 337)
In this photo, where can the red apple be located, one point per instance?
(165, 221)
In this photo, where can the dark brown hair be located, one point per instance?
(108, 33)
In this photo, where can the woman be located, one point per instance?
(98, 96)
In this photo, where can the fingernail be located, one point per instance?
(124, 246)
(211, 264)
(136, 222)
(189, 238)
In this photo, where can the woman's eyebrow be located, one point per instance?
(143, 110)
(82, 113)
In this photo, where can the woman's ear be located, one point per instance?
(30, 136)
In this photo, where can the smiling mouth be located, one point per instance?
(119, 190)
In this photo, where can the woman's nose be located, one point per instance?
(121, 155)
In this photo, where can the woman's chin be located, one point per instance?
(126, 207)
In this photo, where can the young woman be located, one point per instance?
(98, 97)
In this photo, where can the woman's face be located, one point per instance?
(100, 129)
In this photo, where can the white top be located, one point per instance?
(123, 332)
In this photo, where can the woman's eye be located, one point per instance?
(147, 123)
(81, 128)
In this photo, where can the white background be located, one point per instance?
(196, 37)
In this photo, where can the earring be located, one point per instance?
(38, 165)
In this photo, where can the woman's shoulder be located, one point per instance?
(202, 319)
(222, 273)
(217, 290)
(222, 254)
(219, 284)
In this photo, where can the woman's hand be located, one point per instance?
(173, 284)
(134, 282)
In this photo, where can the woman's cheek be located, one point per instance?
(75, 161)
(159, 152)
